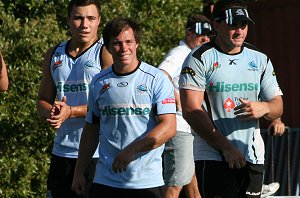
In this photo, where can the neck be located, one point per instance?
(76, 48)
(125, 69)
(227, 48)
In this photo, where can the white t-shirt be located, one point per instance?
(172, 64)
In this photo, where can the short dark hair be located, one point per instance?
(114, 27)
(222, 5)
(76, 3)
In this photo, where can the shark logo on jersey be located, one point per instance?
(142, 89)
(253, 66)
(89, 64)
(104, 88)
(56, 65)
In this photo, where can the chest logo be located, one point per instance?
(232, 62)
(89, 64)
(104, 88)
(56, 65)
(228, 104)
(142, 88)
(122, 84)
(216, 65)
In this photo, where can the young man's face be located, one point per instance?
(84, 22)
(196, 40)
(232, 36)
(123, 48)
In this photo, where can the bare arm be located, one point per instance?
(165, 130)
(88, 144)
(3, 74)
(199, 120)
(276, 128)
(47, 91)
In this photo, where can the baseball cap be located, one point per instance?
(199, 24)
(231, 11)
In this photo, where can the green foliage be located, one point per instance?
(31, 27)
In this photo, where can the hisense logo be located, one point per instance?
(80, 87)
(118, 111)
(222, 87)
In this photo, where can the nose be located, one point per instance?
(84, 22)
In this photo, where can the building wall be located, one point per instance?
(276, 32)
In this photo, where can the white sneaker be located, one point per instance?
(270, 189)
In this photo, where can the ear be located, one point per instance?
(99, 20)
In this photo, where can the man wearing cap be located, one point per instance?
(239, 86)
(178, 155)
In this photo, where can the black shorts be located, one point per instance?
(216, 179)
(61, 176)
(99, 190)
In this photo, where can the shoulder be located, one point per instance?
(150, 69)
(103, 74)
(252, 49)
(199, 51)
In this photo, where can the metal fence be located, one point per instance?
(283, 161)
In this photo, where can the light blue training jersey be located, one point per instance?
(72, 76)
(226, 78)
(126, 106)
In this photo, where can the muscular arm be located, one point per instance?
(47, 91)
(199, 120)
(165, 130)
(3, 74)
(88, 144)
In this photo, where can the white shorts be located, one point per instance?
(179, 165)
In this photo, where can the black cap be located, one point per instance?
(198, 24)
(233, 15)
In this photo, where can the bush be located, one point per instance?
(28, 30)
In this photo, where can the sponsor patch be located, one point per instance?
(188, 70)
(168, 101)
(229, 104)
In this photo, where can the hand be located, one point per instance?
(276, 128)
(59, 113)
(122, 160)
(250, 110)
(78, 184)
(234, 157)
